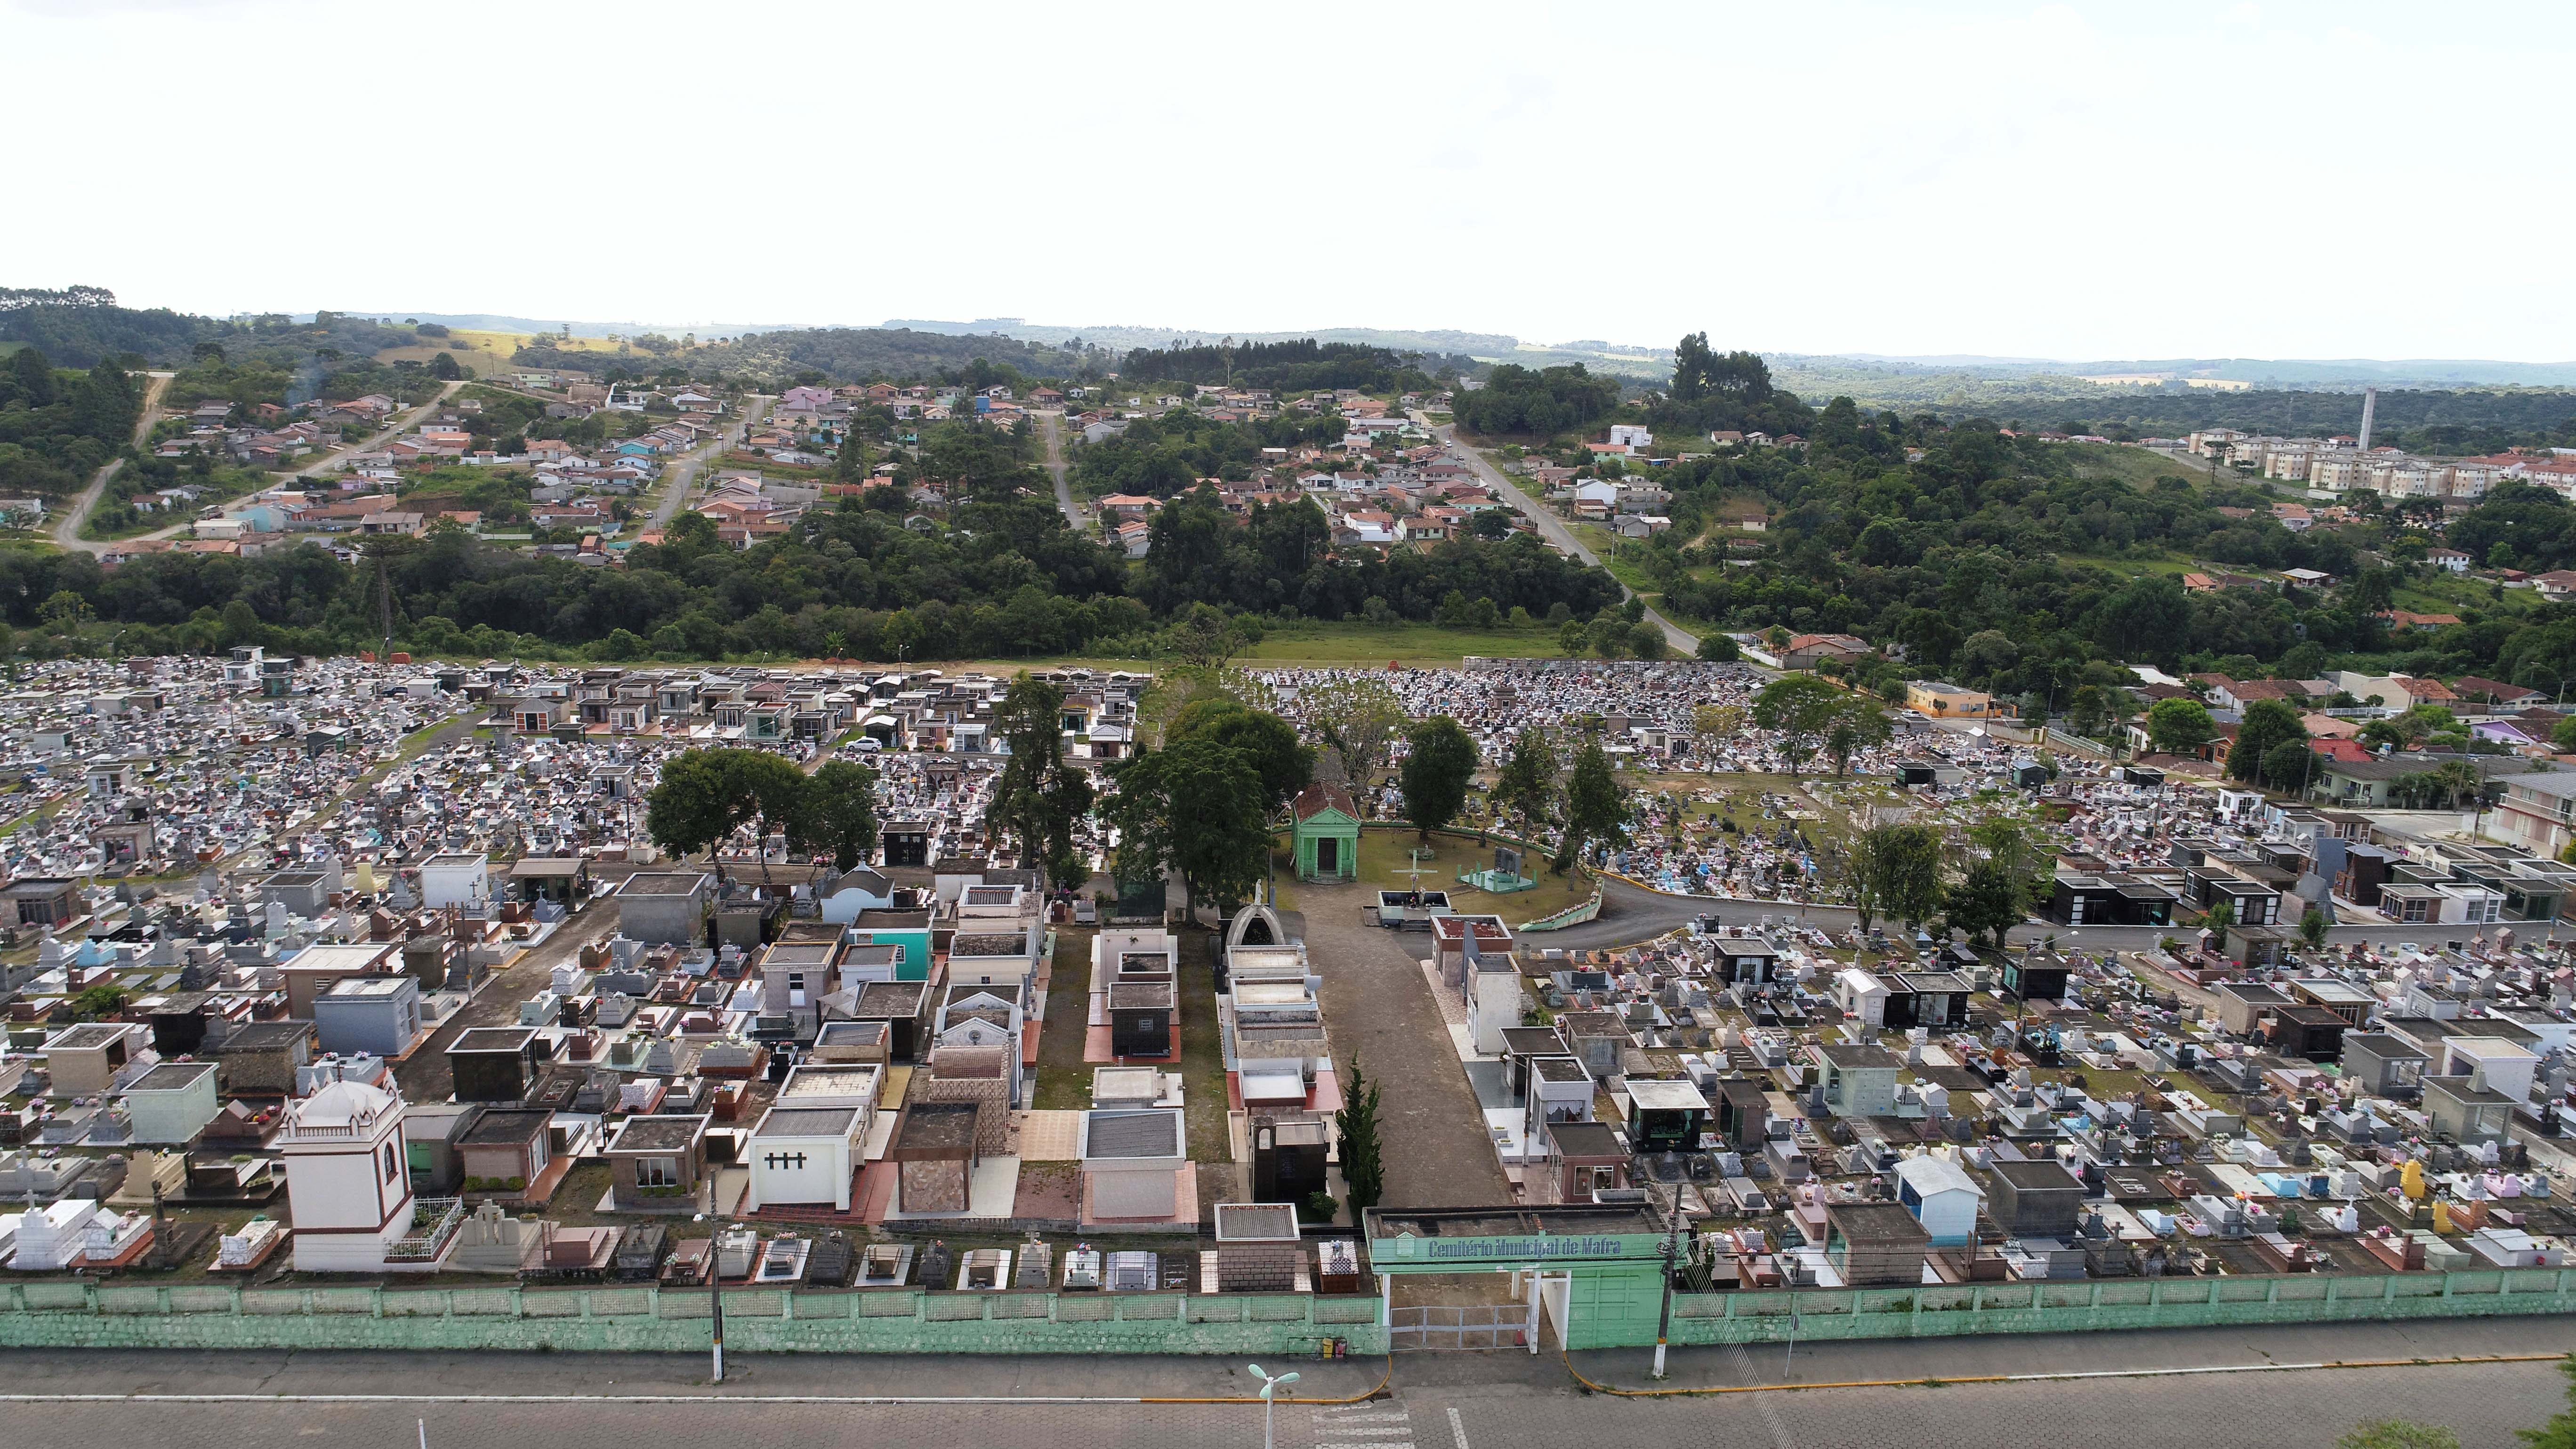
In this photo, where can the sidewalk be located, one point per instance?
(505, 1375)
(1954, 1359)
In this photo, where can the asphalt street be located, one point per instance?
(1550, 528)
(2221, 1387)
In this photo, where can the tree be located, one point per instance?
(2286, 765)
(1858, 725)
(1363, 1166)
(1646, 640)
(1898, 870)
(1436, 773)
(444, 366)
(2312, 929)
(2179, 726)
(2268, 723)
(1597, 807)
(693, 806)
(1712, 724)
(1719, 648)
(1798, 709)
(1987, 903)
(1528, 779)
(2564, 736)
(2220, 915)
(1285, 763)
(706, 795)
(838, 816)
(1193, 808)
(2458, 781)
(1359, 718)
(1571, 637)
(1039, 797)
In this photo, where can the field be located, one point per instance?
(1386, 858)
(1419, 646)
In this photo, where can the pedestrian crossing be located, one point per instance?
(1376, 1424)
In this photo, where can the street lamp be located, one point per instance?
(1269, 1386)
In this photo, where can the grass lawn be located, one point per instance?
(475, 363)
(2136, 467)
(1385, 856)
(1202, 1049)
(1064, 1081)
(1418, 645)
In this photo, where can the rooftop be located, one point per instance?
(1154, 1133)
(657, 1134)
(937, 1127)
(807, 1122)
(665, 883)
(172, 1077)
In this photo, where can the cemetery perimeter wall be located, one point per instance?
(648, 1319)
(1609, 1309)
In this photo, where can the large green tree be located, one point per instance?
(1193, 808)
(1039, 797)
(1527, 784)
(2268, 723)
(1897, 870)
(838, 815)
(1985, 904)
(1597, 807)
(704, 796)
(1438, 767)
(2179, 726)
(1861, 723)
(1360, 719)
(1798, 710)
(1285, 763)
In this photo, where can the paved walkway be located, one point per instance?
(1378, 1007)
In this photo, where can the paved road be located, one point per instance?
(1435, 1401)
(400, 425)
(1550, 527)
(1051, 430)
(67, 532)
(684, 469)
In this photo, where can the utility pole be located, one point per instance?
(1672, 1263)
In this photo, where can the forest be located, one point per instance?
(1995, 561)
(1003, 577)
(58, 426)
(1160, 456)
(1516, 401)
(1304, 365)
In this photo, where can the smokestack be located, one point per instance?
(2369, 405)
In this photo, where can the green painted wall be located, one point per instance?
(1618, 1308)
(46, 1314)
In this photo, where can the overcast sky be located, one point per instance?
(2075, 181)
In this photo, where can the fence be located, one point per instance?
(1624, 1313)
(647, 1319)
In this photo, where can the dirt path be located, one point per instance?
(1379, 1010)
(67, 534)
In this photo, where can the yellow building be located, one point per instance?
(1948, 701)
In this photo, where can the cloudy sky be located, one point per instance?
(2180, 178)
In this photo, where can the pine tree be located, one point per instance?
(1363, 1173)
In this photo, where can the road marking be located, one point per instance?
(1456, 1428)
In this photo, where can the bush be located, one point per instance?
(1319, 1208)
(1720, 649)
